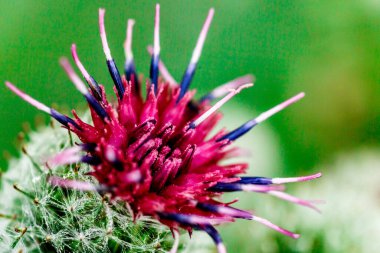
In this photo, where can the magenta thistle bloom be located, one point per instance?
(155, 154)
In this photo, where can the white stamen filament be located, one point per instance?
(103, 35)
(73, 76)
(72, 184)
(221, 248)
(79, 64)
(234, 84)
(68, 156)
(194, 219)
(261, 188)
(156, 45)
(275, 227)
(278, 108)
(176, 242)
(290, 198)
(231, 211)
(128, 41)
(28, 98)
(295, 179)
(219, 104)
(202, 37)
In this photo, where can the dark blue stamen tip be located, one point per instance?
(116, 77)
(94, 86)
(207, 207)
(89, 147)
(180, 218)
(96, 106)
(225, 187)
(192, 125)
(186, 80)
(131, 73)
(255, 180)
(213, 233)
(154, 72)
(63, 119)
(92, 160)
(233, 135)
(236, 213)
(193, 106)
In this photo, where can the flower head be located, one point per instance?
(155, 154)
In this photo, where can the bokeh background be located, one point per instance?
(328, 49)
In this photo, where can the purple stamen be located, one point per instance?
(275, 227)
(94, 86)
(191, 220)
(82, 88)
(189, 73)
(213, 233)
(255, 180)
(220, 103)
(110, 62)
(129, 67)
(278, 180)
(295, 200)
(163, 70)
(92, 160)
(156, 51)
(63, 119)
(233, 135)
(236, 186)
(226, 210)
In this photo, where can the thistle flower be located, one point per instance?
(155, 154)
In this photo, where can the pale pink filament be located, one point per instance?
(128, 41)
(73, 76)
(279, 107)
(295, 179)
(79, 64)
(275, 227)
(261, 188)
(68, 156)
(176, 242)
(156, 45)
(72, 184)
(290, 198)
(234, 84)
(28, 98)
(219, 104)
(103, 35)
(202, 37)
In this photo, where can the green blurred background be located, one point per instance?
(329, 49)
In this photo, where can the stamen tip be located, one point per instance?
(296, 236)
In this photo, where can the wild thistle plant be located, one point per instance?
(154, 157)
